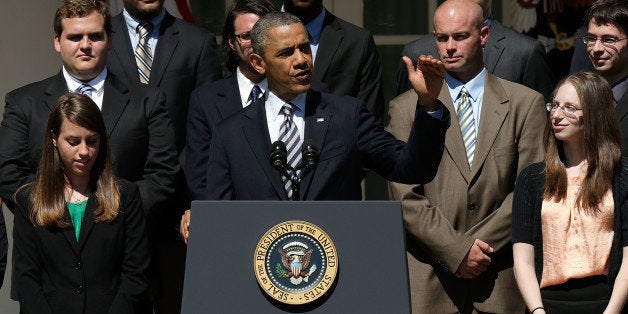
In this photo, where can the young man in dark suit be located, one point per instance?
(607, 48)
(344, 55)
(140, 130)
(211, 103)
(346, 135)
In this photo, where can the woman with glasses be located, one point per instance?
(79, 235)
(570, 240)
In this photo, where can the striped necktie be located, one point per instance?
(143, 55)
(467, 124)
(289, 134)
(85, 89)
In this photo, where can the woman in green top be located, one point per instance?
(80, 243)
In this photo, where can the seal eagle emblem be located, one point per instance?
(295, 262)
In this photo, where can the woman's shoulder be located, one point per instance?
(23, 197)
(535, 169)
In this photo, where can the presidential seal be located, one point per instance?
(295, 262)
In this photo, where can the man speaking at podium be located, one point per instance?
(340, 131)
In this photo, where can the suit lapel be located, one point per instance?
(494, 112)
(230, 102)
(57, 88)
(166, 45)
(116, 98)
(88, 221)
(317, 120)
(121, 48)
(69, 234)
(493, 49)
(622, 108)
(453, 141)
(255, 130)
(331, 36)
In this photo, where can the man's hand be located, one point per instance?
(184, 227)
(426, 79)
(476, 261)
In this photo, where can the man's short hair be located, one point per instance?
(260, 33)
(614, 12)
(81, 8)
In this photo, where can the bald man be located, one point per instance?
(458, 225)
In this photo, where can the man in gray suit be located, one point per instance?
(508, 54)
(458, 225)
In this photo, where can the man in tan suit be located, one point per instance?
(458, 226)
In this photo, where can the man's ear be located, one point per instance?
(257, 62)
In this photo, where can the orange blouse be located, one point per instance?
(575, 244)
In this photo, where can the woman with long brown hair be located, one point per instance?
(570, 213)
(80, 243)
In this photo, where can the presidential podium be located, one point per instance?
(227, 238)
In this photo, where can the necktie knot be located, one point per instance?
(144, 28)
(85, 89)
(287, 109)
(256, 92)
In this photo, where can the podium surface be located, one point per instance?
(368, 236)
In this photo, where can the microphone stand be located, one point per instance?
(278, 159)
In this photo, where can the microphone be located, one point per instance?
(279, 156)
(309, 155)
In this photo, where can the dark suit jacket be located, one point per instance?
(104, 272)
(348, 62)
(508, 54)
(209, 105)
(622, 115)
(185, 58)
(140, 133)
(444, 217)
(348, 138)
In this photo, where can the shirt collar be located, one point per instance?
(132, 22)
(245, 86)
(98, 83)
(315, 27)
(275, 103)
(475, 86)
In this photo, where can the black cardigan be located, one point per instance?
(526, 215)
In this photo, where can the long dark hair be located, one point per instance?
(601, 143)
(48, 193)
(257, 7)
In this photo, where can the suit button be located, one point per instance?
(79, 289)
(471, 206)
(77, 266)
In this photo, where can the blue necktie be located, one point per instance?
(86, 90)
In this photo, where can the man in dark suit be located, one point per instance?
(211, 103)
(140, 131)
(344, 55)
(607, 48)
(508, 54)
(184, 56)
(458, 226)
(345, 133)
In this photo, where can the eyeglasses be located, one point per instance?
(244, 37)
(568, 110)
(605, 40)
